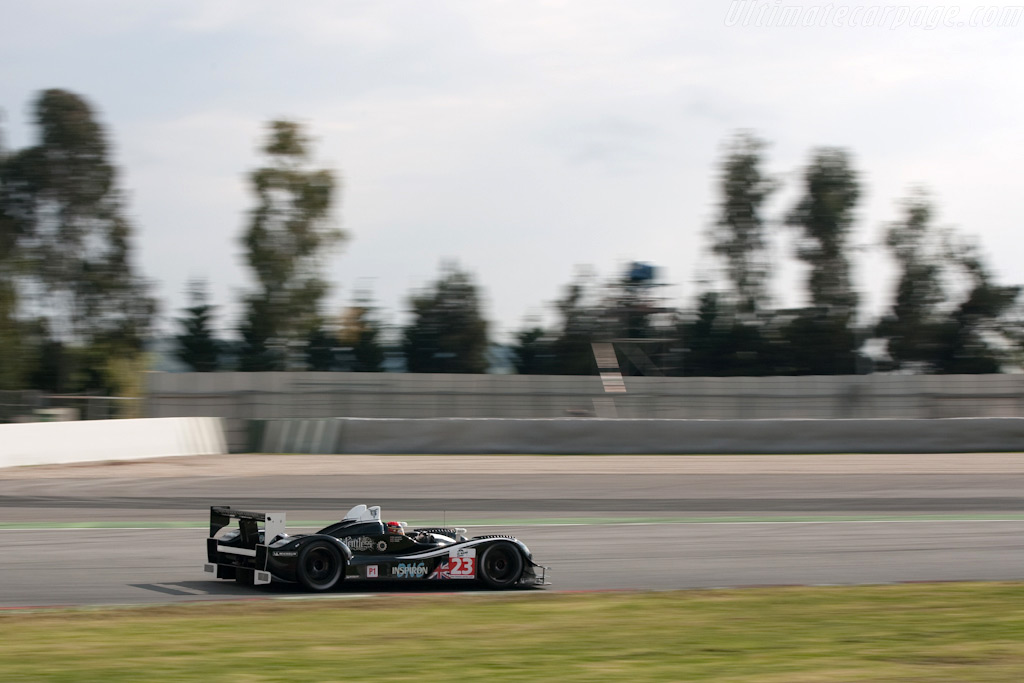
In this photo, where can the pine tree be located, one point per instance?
(197, 346)
(448, 332)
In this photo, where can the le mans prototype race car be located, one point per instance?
(361, 547)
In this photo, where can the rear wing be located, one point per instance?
(248, 524)
(248, 555)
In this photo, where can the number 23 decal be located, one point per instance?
(462, 563)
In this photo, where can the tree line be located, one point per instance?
(76, 315)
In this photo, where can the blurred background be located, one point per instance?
(530, 209)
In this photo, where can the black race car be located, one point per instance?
(361, 547)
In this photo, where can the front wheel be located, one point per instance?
(320, 566)
(501, 565)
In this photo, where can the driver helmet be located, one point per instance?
(395, 528)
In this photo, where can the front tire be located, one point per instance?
(501, 565)
(320, 566)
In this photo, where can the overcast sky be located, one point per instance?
(524, 138)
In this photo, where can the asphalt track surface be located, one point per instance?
(601, 523)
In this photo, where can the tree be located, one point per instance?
(825, 217)
(565, 350)
(13, 368)
(911, 329)
(447, 332)
(352, 346)
(702, 335)
(288, 234)
(739, 232)
(197, 346)
(361, 332)
(822, 339)
(65, 211)
(623, 311)
(720, 342)
(924, 330)
(980, 336)
(579, 328)
(726, 334)
(322, 350)
(533, 354)
(259, 350)
(16, 354)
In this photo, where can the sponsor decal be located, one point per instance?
(462, 563)
(284, 553)
(358, 543)
(397, 539)
(371, 571)
(382, 546)
(408, 570)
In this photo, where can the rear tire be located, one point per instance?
(501, 565)
(320, 566)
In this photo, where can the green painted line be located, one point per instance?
(559, 521)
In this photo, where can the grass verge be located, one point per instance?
(918, 632)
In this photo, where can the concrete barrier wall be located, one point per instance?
(41, 443)
(241, 396)
(604, 436)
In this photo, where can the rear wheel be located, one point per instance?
(320, 566)
(501, 565)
